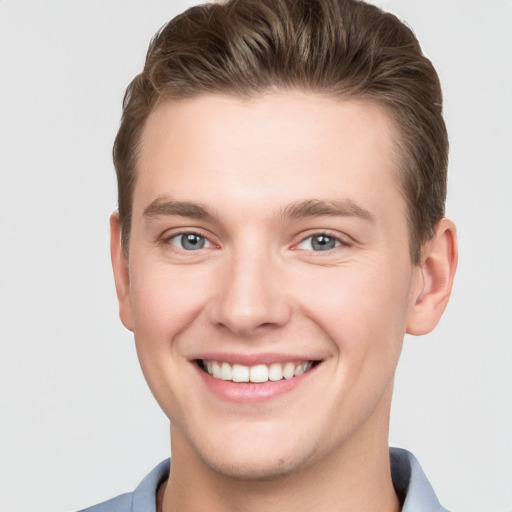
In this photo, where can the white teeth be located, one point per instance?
(240, 373)
(302, 368)
(299, 370)
(275, 372)
(258, 373)
(226, 373)
(216, 370)
(288, 370)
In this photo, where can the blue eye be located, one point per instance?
(321, 242)
(189, 241)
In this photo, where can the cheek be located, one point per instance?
(164, 300)
(164, 304)
(363, 310)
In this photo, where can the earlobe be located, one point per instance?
(121, 272)
(437, 271)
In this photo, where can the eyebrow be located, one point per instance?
(319, 208)
(297, 210)
(164, 207)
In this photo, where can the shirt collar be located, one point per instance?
(411, 484)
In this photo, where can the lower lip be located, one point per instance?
(249, 392)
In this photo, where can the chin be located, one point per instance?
(261, 469)
(255, 456)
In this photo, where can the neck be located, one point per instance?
(359, 489)
(355, 476)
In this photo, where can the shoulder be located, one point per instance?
(142, 499)
(122, 503)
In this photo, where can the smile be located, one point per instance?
(258, 373)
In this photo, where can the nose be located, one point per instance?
(251, 296)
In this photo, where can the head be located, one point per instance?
(281, 168)
(346, 49)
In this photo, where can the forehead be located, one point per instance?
(271, 148)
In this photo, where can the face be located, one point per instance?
(269, 280)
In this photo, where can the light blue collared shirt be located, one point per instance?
(410, 483)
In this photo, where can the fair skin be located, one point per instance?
(268, 234)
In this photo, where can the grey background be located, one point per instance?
(77, 423)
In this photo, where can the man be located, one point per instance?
(282, 175)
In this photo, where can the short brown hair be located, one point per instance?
(344, 48)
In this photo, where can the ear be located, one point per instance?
(121, 272)
(435, 279)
